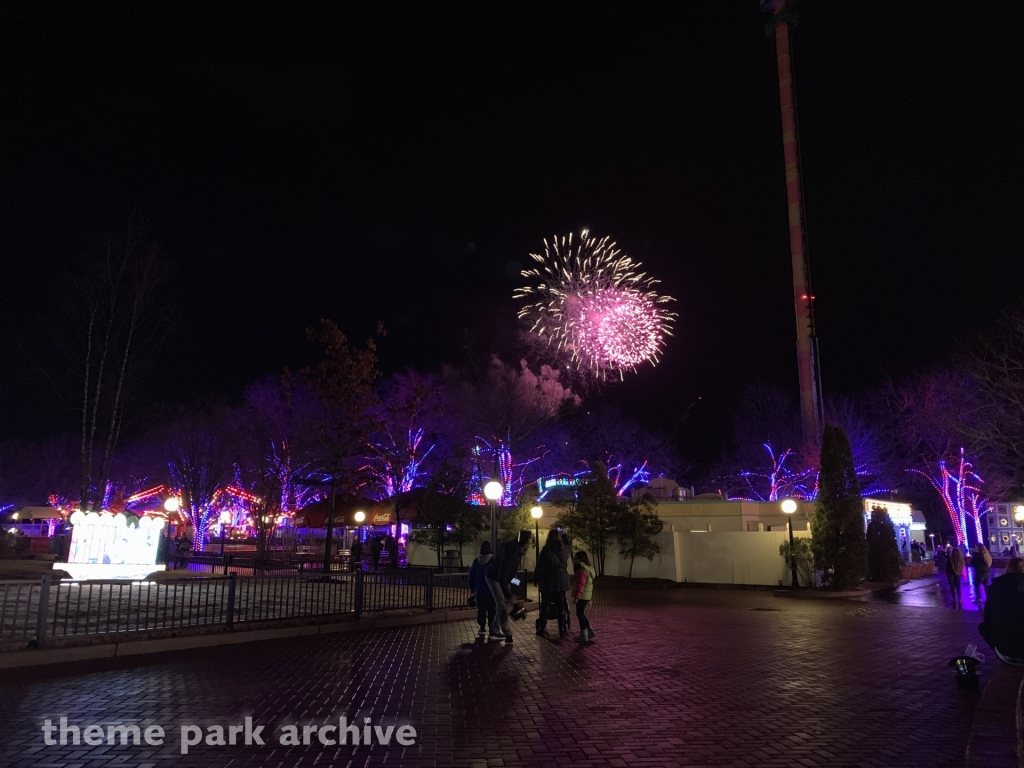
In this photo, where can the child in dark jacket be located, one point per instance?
(478, 583)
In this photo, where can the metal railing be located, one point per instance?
(451, 590)
(266, 599)
(400, 588)
(35, 611)
(239, 565)
(78, 608)
(19, 610)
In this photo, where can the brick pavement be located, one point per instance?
(681, 678)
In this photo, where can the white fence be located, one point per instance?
(734, 557)
(748, 557)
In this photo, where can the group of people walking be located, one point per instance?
(1002, 597)
(492, 575)
(952, 561)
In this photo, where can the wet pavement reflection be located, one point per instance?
(932, 592)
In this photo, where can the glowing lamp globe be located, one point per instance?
(493, 490)
(537, 513)
(172, 504)
(1018, 513)
(225, 517)
(360, 516)
(788, 506)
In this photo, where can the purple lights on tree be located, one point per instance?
(960, 491)
(779, 481)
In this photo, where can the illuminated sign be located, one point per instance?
(546, 483)
(106, 546)
(900, 514)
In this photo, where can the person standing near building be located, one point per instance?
(954, 573)
(500, 572)
(478, 583)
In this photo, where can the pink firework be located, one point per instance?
(593, 303)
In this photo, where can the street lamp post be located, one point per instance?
(536, 514)
(789, 507)
(492, 492)
(359, 516)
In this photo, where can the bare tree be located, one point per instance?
(343, 384)
(924, 434)
(275, 449)
(31, 472)
(199, 444)
(632, 453)
(404, 422)
(995, 364)
(117, 312)
(505, 408)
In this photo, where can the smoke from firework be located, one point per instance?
(589, 300)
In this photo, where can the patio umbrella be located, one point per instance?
(402, 506)
(345, 507)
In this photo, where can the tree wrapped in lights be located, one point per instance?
(402, 435)
(960, 491)
(767, 418)
(589, 301)
(631, 453)
(342, 383)
(505, 410)
(779, 482)
(199, 460)
(926, 419)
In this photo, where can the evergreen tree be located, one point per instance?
(838, 535)
(636, 528)
(804, 559)
(883, 551)
(592, 514)
(444, 516)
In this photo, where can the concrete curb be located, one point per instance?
(35, 658)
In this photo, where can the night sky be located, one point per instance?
(399, 162)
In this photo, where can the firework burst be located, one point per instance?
(591, 301)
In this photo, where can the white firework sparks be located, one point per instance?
(590, 300)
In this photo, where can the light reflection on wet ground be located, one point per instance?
(932, 592)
